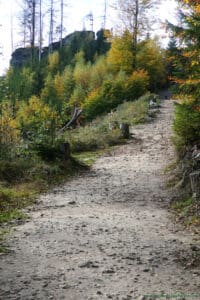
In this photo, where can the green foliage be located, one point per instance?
(131, 112)
(9, 133)
(99, 136)
(114, 92)
(48, 94)
(53, 63)
(10, 215)
(187, 123)
(121, 56)
(68, 83)
(136, 85)
(99, 72)
(82, 72)
(78, 96)
(186, 74)
(50, 150)
(37, 120)
(21, 83)
(150, 57)
(93, 137)
(37, 100)
(16, 169)
(104, 99)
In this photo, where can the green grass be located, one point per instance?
(186, 210)
(170, 167)
(8, 216)
(89, 157)
(183, 204)
(131, 112)
(3, 248)
(97, 135)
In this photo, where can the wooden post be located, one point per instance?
(65, 150)
(124, 127)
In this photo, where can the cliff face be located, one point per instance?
(20, 56)
(76, 41)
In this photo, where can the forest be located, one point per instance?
(110, 77)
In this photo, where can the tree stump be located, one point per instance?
(124, 127)
(195, 183)
(65, 150)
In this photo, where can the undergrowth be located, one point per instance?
(98, 135)
(187, 211)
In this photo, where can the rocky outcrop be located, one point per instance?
(76, 41)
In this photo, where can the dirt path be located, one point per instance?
(106, 234)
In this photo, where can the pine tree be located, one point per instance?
(188, 39)
(187, 118)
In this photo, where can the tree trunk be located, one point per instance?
(125, 130)
(40, 32)
(51, 28)
(33, 29)
(65, 149)
(61, 22)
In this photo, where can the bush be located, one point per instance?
(49, 150)
(99, 136)
(93, 137)
(14, 170)
(102, 100)
(131, 112)
(136, 85)
(187, 124)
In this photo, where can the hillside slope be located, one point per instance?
(107, 234)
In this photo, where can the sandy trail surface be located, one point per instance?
(106, 234)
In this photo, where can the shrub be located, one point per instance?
(131, 112)
(14, 170)
(136, 85)
(102, 100)
(9, 133)
(37, 120)
(93, 137)
(187, 124)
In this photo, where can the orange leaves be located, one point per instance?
(193, 53)
(197, 108)
(188, 81)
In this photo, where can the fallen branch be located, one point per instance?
(72, 122)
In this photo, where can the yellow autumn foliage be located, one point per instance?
(120, 56)
(9, 132)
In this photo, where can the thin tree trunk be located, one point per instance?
(33, 29)
(135, 31)
(40, 34)
(11, 32)
(105, 15)
(51, 28)
(136, 22)
(61, 21)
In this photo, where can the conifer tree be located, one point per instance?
(187, 34)
(188, 38)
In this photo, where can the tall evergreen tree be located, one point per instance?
(188, 38)
(187, 119)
